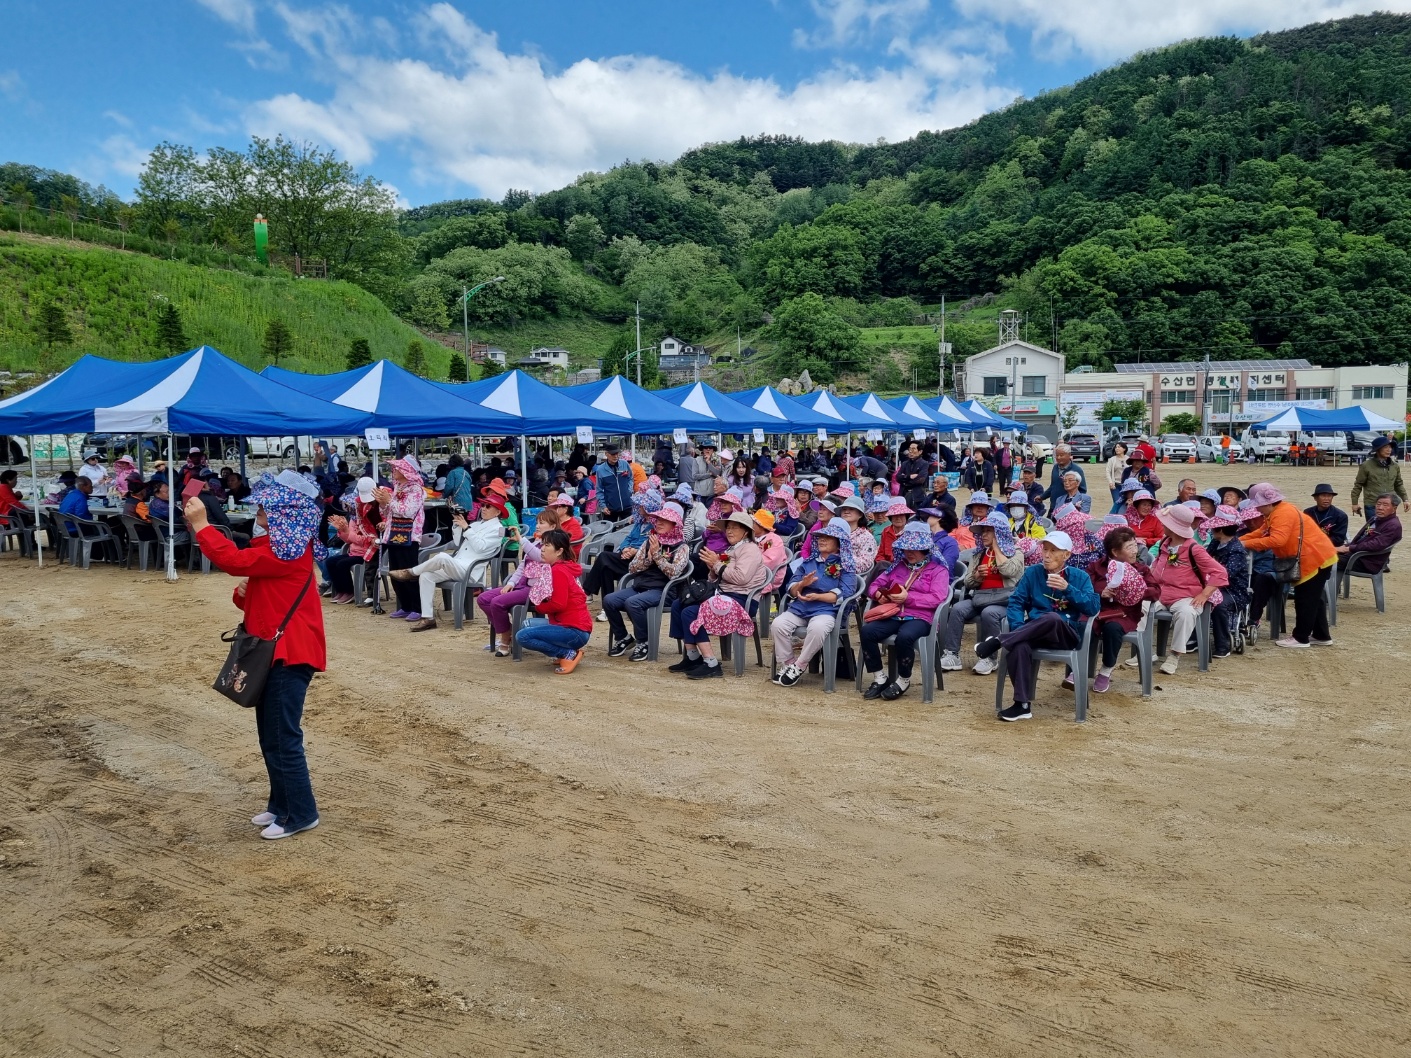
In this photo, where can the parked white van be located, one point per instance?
(1265, 445)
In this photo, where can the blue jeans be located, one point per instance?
(1118, 503)
(554, 640)
(278, 716)
(636, 603)
(682, 616)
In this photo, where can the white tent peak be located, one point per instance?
(696, 401)
(612, 400)
(505, 396)
(363, 394)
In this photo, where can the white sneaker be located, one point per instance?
(1169, 665)
(984, 666)
(264, 819)
(602, 615)
(950, 662)
(1290, 641)
(1135, 662)
(274, 831)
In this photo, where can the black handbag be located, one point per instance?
(243, 677)
(698, 591)
(1288, 570)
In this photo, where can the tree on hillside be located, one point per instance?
(278, 341)
(359, 353)
(69, 205)
(621, 358)
(490, 368)
(415, 361)
(171, 335)
(51, 325)
(22, 198)
(811, 336)
(456, 372)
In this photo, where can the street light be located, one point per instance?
(466, 295)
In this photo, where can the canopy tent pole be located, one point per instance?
(34, 502)
(171, 509)
(140, 462)
(245, 477)
(523, 474)
(296, 452)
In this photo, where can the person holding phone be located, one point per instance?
(906, 598)
(1046, 612)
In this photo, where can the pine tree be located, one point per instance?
(359, 353)
(278, 341)
(52, 325)
(457, 370)
(171, 335)
(416, 358)
(490, 368)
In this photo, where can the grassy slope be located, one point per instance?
(111, 300)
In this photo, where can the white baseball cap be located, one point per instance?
(1059, 539)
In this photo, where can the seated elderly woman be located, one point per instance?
(1188, 577)
(776, 555)
(942, 523)
(1123, 582)
(602, 576)
(1046, 612)
(994, 570)
(877, 520)
(824, 578)
(1141, 515)
(1074, 522)
(475, 546)
(1224, 527)
(736, 572)
(663, 557)
(803, 496)
(899, 515)
(853, 511)
(693, 513)
(785, 509)
(1022, 516)
(359, 533)
(906, 598)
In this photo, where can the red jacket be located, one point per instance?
(568, 605)
(274, 585)
(574, 528)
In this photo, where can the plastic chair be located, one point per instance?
(657, 612)
(1203, 639)
(19, 526)
(1075, 659)
(1344, 578)
(1141, 643)
(733, 646)
(767, 598)
(82, 534)
(47, 520)
(926, 653)
(827, 658)
(453, 592)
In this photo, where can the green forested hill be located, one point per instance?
(111, 301)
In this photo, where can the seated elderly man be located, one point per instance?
(1073, 493)
(474, 546)
(1046, 612)
(994, 570)
(1381, 532)
(1330, 519)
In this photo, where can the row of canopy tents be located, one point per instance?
(205, 392)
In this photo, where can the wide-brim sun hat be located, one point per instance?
(1213, 495)
(765, 519)
(1138, 496)
(855, 503)
(1179, 520)
(1225, 517)
(979, 499)
(1232, 488)
(668, 514)
(1323, 490)
(1264, 494)
(915, 537)
(931, 512)
(742, 519)
(898, 508)
(1248, 511)
(1131, 485)
(994, 520)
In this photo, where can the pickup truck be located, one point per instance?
(1265, 445)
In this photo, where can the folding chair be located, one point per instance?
(1203, 638)
(1075, 659)
(1344, 577)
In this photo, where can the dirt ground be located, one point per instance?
(614, 863)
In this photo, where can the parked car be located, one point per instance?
(1084, 443)
(1334, 441)
(1128, 438)
(1265, 445)
(1361, 440)
(283, 447)
(111, 445)
(14, 450)
(1207, 449)
(1177, 447)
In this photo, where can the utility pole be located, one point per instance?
(639, 343)
(466, 295)
(944, 350)
(1205, 396)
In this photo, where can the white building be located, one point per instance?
(677, 359)
(1238, 392)
(553, 358)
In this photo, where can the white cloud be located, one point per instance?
(493, 120)
(238, 13)
(846, 20)
(11, 85)
(1109, 29)
(123, 155)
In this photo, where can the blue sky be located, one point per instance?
(453, 99)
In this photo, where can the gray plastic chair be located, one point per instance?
(827, 658)
(82, 534)
(1344, 578)
(1075, 659)
(733, 646)
(453, 592)
(767, 598)
(927, 651)
(1204, 640)
(19, 527)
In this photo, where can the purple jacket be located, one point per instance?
(927, 591)
(1375, 536)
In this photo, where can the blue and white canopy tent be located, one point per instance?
(730, 415)
(1305, 420)
(539, 410)
(783, 414)
(199, 392)
(639, 410)
(404, 404)
(901, 419)
(942, 421)
(985, 417)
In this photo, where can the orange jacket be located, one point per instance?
(1280, 535)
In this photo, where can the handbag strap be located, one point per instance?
(298, 599)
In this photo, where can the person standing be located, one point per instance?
(1329, 518)
(1378, 475)
(1289, 533)
(613, 477)
(1115, 468)
(278, 568)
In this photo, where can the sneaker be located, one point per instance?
(1101, 683)
(684, 665)
(395, 614)
(1290, 641)
(264, 819)
(985, 666)
(1017, 711)
(602, 616)
(706, 672)
(790, 676)
(1219, 655)
(987, 648)
(640, 654)
(617, 649)
(1169, 665)
(950, 662)
(413, 617)
(274, 831)
(343, 600)
(325, 590)
(1134, 662)
(1321, 642)
(1068, 683)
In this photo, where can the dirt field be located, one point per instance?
(612, 864)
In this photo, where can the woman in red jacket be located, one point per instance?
(556, 594)
(278, 568)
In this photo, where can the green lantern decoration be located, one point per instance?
(261, 239)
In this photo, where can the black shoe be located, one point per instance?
(1217, 654)
(706, 672)
(1017, 711)
(875, 689)
(892, 691)
(988, 648)
(620, 647)
(640, 654)
(684, 665)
